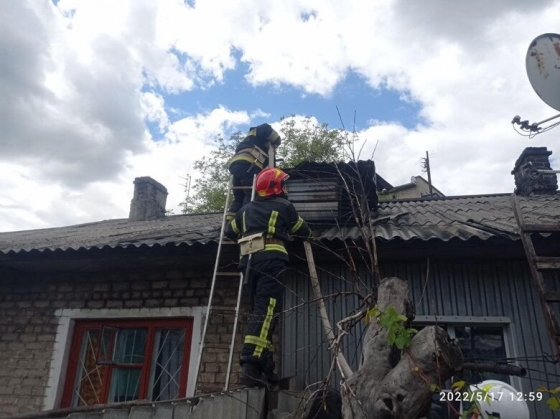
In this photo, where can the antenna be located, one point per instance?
(543, 70)
(426, 168)
(187, 186)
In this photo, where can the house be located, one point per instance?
(417, 188)
(111, 312)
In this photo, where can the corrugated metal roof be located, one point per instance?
(175, 229)
(444, 218)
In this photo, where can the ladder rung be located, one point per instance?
(216, 346)
(217, 311)
(223, 308)
(548, 265)
(544, 262)
(552, 296)
(241, 187)
(540, 228)
(228, 273)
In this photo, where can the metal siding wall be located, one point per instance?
(453, 289)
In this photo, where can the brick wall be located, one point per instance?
(28, 324)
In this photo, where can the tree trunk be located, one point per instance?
(395, 385)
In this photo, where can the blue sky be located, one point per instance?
(352, 95)
(98, 92)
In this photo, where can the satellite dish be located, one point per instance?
(543, 68)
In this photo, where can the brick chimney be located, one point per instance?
(149, 200)
(528, 181)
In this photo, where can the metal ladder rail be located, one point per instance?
(235, 322)
(212, 288)
(271, 162)
(215, 275)
(537, 264)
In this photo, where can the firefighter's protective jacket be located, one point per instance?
(261, 136)
(274, 216)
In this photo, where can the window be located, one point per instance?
(481, 344)
(115, 361)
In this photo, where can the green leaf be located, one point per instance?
(401, 341)
(386, 322)
(391, 337)
(554, 390)
(553, 403)
(458, 384)
(434, 387)
(487, 388)
(392, 312)
(374, 312)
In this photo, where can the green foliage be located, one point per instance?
(308, 142)
(553, 401)
(209, 192)
(473, 398)
(394, 323)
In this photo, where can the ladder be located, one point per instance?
(537, 265)
(210, 309)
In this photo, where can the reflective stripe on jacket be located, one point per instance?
(274, 216)
(262, 137)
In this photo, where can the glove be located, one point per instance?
(315, 234)
(276, 143)
(264, 131)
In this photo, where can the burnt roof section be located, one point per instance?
(443, 218)
(321, 170)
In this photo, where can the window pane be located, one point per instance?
(125, 385)
(88, 388)
(129, 348)
(107, 345)
(166, 364)
(481, 344)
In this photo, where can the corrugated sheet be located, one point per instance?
(461, 217)
(443, 218)
(172, 230)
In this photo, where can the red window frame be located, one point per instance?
(151, 324)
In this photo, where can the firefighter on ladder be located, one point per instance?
(251, 156)
(262, 228)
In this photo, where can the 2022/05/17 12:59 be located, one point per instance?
(468, 396)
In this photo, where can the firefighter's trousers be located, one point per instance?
(243, 173)
(266, 280)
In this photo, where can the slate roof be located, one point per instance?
(443, 218)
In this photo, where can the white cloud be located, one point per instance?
(26, 201)
(153, 109)
(79, 80)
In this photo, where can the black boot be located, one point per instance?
(268, 371)
(251, 376)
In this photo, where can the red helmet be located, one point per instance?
(270, 182)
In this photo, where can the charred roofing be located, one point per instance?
(441, 218)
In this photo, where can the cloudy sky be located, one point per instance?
(94, 93)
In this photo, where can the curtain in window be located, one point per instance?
(166, 364)
(88, 388)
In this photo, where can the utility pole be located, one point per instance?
(426, 166)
